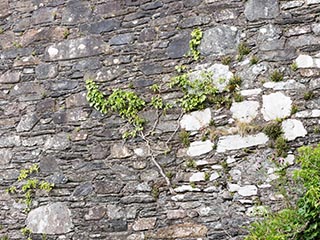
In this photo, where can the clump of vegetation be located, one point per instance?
(234, 83)
(184, 138)
(281, 147)
(276, 76)
(243, 50)
(300, 222)
(308, 95)
(294, 109)
(273, 130)
(194, 43)
(294, 66)
(226, 60)
(191, 163)
(254, 60)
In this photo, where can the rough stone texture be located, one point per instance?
(238, 142)
(276, 105)
(245, 111)
(54, 218)
(220, 40)
(293, 128)
(261, 9)
(196, 120)
(111, 187)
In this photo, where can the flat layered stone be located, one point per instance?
(120, 151)
(249, 190)
(196, 120)
(293, 128)
(185, 230)
(10, 77)
(178, 46)
(221, 74)
(144, 224)
(95, 213)
(4, 8)
(101, 26)
(220, 40)
(245, 111)
(10, 141)
(287, 85)
(276, 105)
(261, 9)
(315, 113)
(59, 141)
(5, 156)
(27, 122)
(197, 177)
(234, 142)
(186, 188)
(54, 218)
(76, 12)
(45, 71)
(304, 61)
(198, 148)
(75, 48)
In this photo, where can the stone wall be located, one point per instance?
(108, 188)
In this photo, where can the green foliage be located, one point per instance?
(308, 95)
(234, 83)
(95, 97)
(184, 138)
(294, 66)
(191, 163)
(281, 147)
(206, 176)
(243, 50)
(157, 102)
(226, 60)
(273, 130)
(237, 97)
(196, 36)
(294, 109)
(155, 88)
(254, 60)
(276, 76)
(301, 222)
(155, 192)
(26, 232)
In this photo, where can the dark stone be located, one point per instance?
(279, 55)
(27, 122)
(147, 34)
(116, 225)
(109, 8)
(10, 77)
(4, 8)
(46, 106)
(48, 164)
(95, 213)
(137, 199)
(191, 3)
(122, 39)
(45, 71)
(59, 117)
(28, 91)
(42, 15)
(57, 178)
(107, 187)
(194, 21)
(76, 12)
(87, 64)
(77, 100)
(151, 68)
(151, 6)
(261, 9)
(83, 190)
(75, 48)
(179, 46)
(142, 83)
(62, 85)
(101, 27)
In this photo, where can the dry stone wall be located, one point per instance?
(107, 188)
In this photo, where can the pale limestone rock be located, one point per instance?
(287, 85)
(144, 224)
(197, 177)
(245, 111)
(304, 61)
(120, 151)
(289, 160)
(54, 218)
(176, 214)
(276, 105)
(250, 92)
(293, 128)
(237, 142)
(196, 120)
(312, 1)
(199, 147)
(186, 188)
(315, 113)
(178, 231)
(220, 74)
(233, 187)
(249, 190)
(214, 176)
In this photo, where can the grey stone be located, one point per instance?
(178, 46)
(144, 224)
(59, 141)
(10, 77)
(4, 8)
(27, 122)
(115, 212)
(5, 156)
(107, 187)
(54, 218)
(197, 177)
(76, 115)
(75, 48)
(151, 68)
(220, 40)
(10, 141)
(276, 105)
(83, 190)
(57, 178)
(184, 230)
(95, 213)
(194, 21)
(76, 12)
(49, 164)
(238, 142)
(120, 151)
(286, 85)
(42, 15)
(261, 9)
(45, 71)
(122, 39)
(176, 214)
(142, 198)
(101, 26)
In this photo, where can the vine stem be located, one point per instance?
(153, 159)
(176, 130)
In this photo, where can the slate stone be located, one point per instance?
(77, 100)
(184, 230)
(144, 224)
(10, 141)
(32, 36)
(261, 9)
(88, 64)
(75, 48)
(59, 141)
(5, 156)
(63, 85)
(220, 40)
(57, 178)
(10, 77)
(27, 122)
(83, 190)
(151, 68)
(151, 6)
(42, 15)
(116, 225)
(115, 212)
(76, 115)
(76, 12)
(109, 8)
(101, 26)
(95, 213)
(49, 164)
(46, 106)
(45, 71)
(194, 21)
(179, 46)
(4, 8)
(122, 39)
(54, 218)
(147, 34)
(108, 187)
